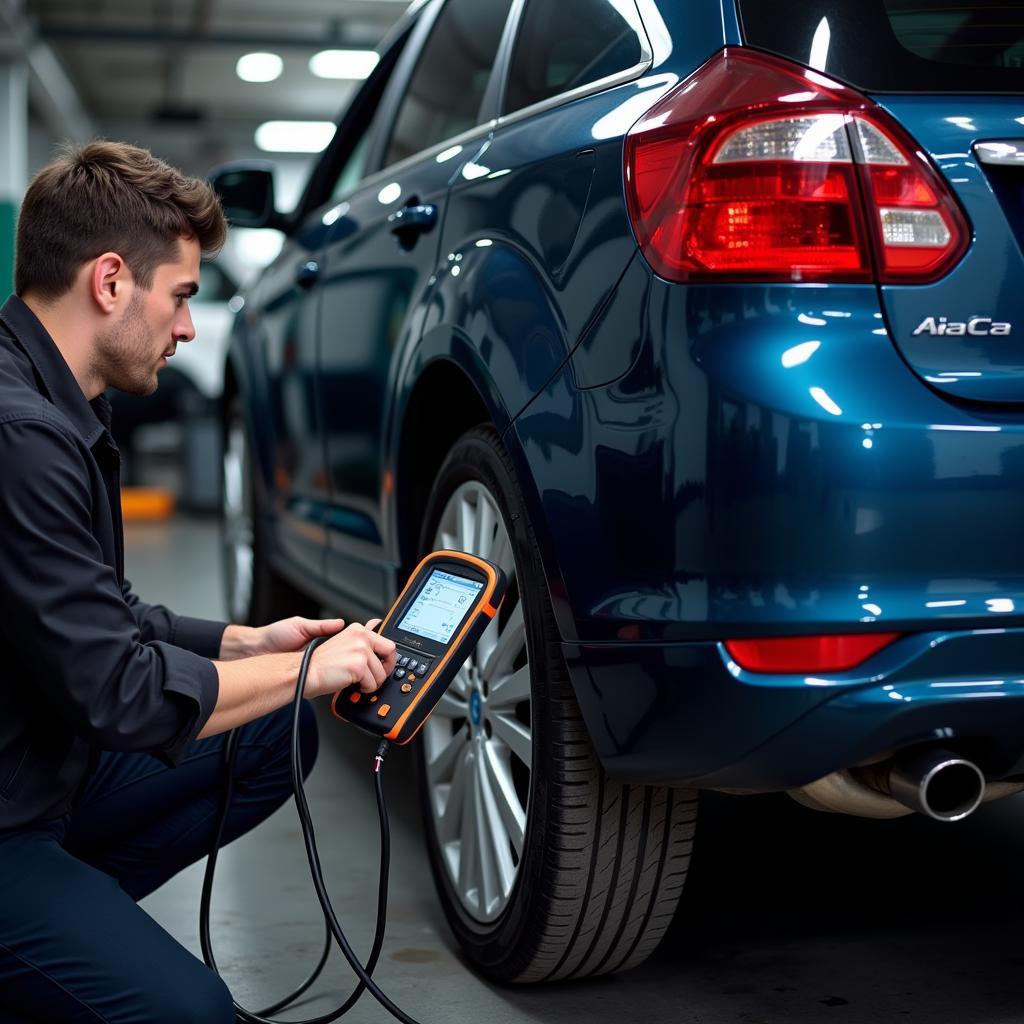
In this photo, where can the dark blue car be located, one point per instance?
(703, 320)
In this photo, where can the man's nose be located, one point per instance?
(184, 329)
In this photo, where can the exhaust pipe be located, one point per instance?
(942, 785)
(937, 783)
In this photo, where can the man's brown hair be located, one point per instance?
(109, 197)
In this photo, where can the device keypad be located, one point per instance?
(408, 668)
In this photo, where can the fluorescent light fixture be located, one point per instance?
(351, 64)
(294, 136)
(259, 67)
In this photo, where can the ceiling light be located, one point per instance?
(352, 64)
(294, 136)
(259, 67)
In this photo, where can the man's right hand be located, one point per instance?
(355, 655)
(251, 687)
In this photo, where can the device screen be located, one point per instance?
(440, 606)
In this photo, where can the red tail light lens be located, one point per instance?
(757, 169)
(804, 654)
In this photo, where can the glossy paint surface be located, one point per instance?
(698, 462)
(769, 464)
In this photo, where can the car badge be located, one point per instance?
(978, 326)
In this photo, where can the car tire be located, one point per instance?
(255, 593)
(547, 869)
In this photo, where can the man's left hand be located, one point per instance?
(279, 637)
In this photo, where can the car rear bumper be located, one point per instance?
(686, 714)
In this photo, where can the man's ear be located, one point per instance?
(109, 281)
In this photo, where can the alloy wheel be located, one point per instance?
(479, 739)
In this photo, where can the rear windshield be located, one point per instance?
(897, 45)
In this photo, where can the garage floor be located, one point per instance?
(789, 915)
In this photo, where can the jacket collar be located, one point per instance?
(90, 419)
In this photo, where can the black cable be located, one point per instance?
(313, 856)
(230, 756)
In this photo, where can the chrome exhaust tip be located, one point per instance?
(937, 783)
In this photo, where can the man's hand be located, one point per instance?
(250, 687)
(356, 655)
(293, 634)
(279, 637)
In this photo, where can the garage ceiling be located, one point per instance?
(162, 72)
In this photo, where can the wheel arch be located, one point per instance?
(460, 394)
(454, 403)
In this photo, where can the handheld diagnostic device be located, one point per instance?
(436, 622)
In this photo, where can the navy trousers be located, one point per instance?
(74, 947)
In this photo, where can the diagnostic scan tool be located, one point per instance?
(436, 622)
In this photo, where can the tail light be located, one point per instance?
(828, 653)
(758, 169)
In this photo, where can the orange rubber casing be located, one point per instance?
(408, 711)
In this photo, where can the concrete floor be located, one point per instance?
(789, 915)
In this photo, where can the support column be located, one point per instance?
(13, 160)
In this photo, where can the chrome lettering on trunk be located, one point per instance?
(978, 326)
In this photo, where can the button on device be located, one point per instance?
(373, 699)
(412, 678)
(382, 711)
(422, 667)
(354, 697)
(399, 673)
(407, 687)
(403, 661)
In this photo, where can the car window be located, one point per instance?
(968, 46)
(353, 169)
(214, 284)
(565, 44)
(447, 88)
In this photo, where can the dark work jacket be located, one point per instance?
(85, 665)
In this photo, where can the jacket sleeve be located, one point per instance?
(81, 646)
(157, 622)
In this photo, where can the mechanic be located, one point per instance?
(112, 711)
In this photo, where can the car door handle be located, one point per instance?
(412, 221)
(308, 274)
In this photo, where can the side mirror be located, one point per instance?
(246, 192)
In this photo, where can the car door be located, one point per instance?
(380, 255)
(287, 334)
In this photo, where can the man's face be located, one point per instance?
(129, 353)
